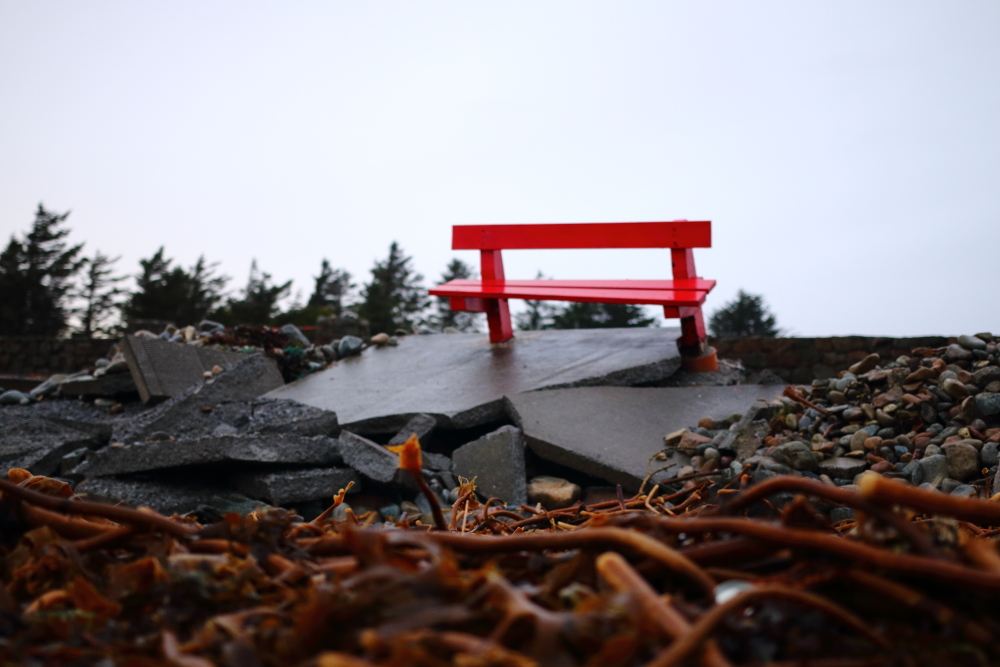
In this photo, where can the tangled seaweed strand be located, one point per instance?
(743, 577)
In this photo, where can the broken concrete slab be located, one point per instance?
(120, 384)
(461, 379)
(232, 449)
(497, 462)
(162, 370)
(192, 412)
(372, 460)
(420, 426)
(612, 432)
(37, 444)
(164, 497)
(292, 486)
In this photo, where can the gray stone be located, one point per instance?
(769, 464)
(436, 462)
(913, 472)
(990, 454)
(37, 444)
(971, 343)
(838, 514)
(965, 491)
(984, 376)
(963, 460)
(372, 460)
(349, 346)
(988, 404)
(858, 440)
(461, 379)
(934, 469)
(553, 492)
(747, 438)
(291, 486)
(841, 467)
(420, 425)
(956, 352)
(209, 326)
(295, 335)
(497, 462)
(612, 432)
(164, 497)
(14, 397)
(239, 449)
(797, 455)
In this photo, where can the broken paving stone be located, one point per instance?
(496, 461)
(553, 492)
(164, 497)
(292, 486)
(37, 444)
(612, 432)
(372, 460)
(420, 425)
(461, 379)
(247, 449)
(162, 370)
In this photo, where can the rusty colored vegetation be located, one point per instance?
(706, 578)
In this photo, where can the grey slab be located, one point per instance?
(496, 461)
(162, 370)
(611, 432)
(35, 443)
(372, 460)
(164, 497)
(461, 379)
(420, 426)
(230, 449)
(292, 486)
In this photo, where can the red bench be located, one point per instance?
(681, 297)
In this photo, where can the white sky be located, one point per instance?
(848, 153)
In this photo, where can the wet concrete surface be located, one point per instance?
(461, 379)
(611, 432)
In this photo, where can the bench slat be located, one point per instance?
(678, 234)
(589, 295)
(690, 284)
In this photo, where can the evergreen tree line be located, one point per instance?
(49, 287)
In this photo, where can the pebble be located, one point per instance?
(988, 404)
(295, 334)
(553, 492)
(963, 460)
(380, 339)
(990, 455)
(14, 397)
(972, 343)
(934, 468)
(964, 491)
(865, 365)
(954, 388)
(349, 346)
(858, 439)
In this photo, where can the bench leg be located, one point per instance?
(695, 355)
(498, 317)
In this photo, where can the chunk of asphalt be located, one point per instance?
(497, 462)
(420, 425)
(247, 449)
(461, 379)
(372, 460)
(292, 486)
(162, 370)
(612, 433)
(38, 444)
(193, 414)
(164, 497)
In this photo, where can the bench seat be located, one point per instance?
(638, 292)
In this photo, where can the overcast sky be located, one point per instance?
(847, 153)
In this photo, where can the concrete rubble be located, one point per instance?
(552, 418)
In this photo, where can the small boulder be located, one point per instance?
(553, 492)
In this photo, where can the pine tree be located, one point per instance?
(394, 297)
(601, 316)
(173, 294)
(538, 315)
(35, 278)
(258, 302)
(746, 315)
(100, 295)
(444, 316)
(333, 288)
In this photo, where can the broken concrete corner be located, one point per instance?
(496, 461)
(292, 486)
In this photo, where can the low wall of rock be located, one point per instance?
(47, 356)
(802, 360)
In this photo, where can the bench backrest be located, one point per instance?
(676, 234)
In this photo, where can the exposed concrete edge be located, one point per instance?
(626, 377)
(390, 424)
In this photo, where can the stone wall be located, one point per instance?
(46, 356)
(802, 360)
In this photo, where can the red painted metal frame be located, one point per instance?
(681, 297)
(676, 234)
